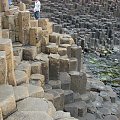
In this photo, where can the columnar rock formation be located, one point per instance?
(42, 71)
(93, 24)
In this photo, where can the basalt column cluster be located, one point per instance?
(42, 74)
(93, 24)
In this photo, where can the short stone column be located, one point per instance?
(6, 45)
(78, 82)
(64, 64)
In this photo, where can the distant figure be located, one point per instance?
(10, 2)
(37, 9)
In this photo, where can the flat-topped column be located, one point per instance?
(76, 51)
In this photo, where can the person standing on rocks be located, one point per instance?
(37, 9)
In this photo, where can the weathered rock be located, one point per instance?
(37, 79)
(30, 115)
(6, 45)
(25, 66)
(111, 117)
(36, 104)
(21, 77)
(57, 100)
(52, 48)
(35, 91)
(20, 92)
(29, 52)
(7, 100)
(56, 84)
(68, 96)
(61, 115)
(62, 51)
(77, 53)
(3, 68)
(77, 109)
(78, 82)
(73, 64)
(54, 66)
(36, 68)
(65, 80)
(64, 64)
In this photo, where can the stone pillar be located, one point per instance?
(64, 64)
(78, 82)
(6, 45)
(3, 68)
(24, 24)
(54, 65)
(76, 51)
(73, 64)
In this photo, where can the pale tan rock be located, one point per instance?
(29, 52)
(66, 39)
(22, 6)
(21, 77)
(36, 104)
(35, 91)
(55, 38)
(36, 68)
(52, 48)
(3, 68)
(44, 38)
(24, 24)
(30, 115)
(17, 61)
(5, 33)
(6, 45)
(38, 78)
(20, 92)
(7, 100)
(33, 23)
(34, 39)
(25, 66)
(62, 51)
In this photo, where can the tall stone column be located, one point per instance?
(76, 51)
(24, 24)
(6, 45)
(54, 65)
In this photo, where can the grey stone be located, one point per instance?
(36, 104)
(30, 115)
(56, 84)
(7, 100)
(20, 92)
(77, 109)
(68, 96)
(65, 79)
(111, 117)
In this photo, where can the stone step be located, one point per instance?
(21, 77)
(7, 100)
(21, 92)
(37, 79)
(35, 91)
(56, 84)
(68, 96)
(25, 66)
(36, 104)
(77, 109)
(65, 80)
(30, 115)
